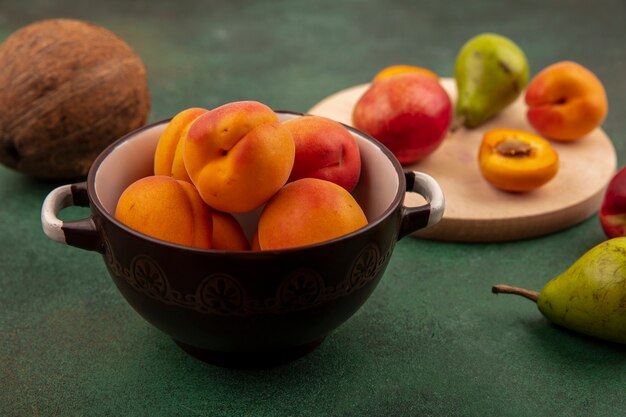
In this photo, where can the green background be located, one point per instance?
(432, 340)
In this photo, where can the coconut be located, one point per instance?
(68, 88)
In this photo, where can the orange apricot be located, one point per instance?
(228, 233)
(325, 149)
(238, 155)
(167, 209)
(402, 69)
(516, 160)
(254, 245)
(566, 101)
(168, 157)
(308, 211)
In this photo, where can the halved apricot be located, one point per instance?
(516, 160)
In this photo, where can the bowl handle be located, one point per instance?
(416, 218)
(79, 233)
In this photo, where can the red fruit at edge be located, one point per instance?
(613, 210)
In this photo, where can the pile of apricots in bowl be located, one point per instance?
(237, 158)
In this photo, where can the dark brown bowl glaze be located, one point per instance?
(243, 309)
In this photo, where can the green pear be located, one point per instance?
(490, 72)
(590, 296)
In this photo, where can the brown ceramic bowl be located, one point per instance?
(242, 308)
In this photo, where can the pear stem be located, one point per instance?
(507, 289)
(457, 121)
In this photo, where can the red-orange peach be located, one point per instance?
(228, 233)
(167, 209)
(238, 155)
(308, 211)
(325, 149)
(409, 113)
(566, 101)
(168, 158)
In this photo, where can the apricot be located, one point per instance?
(566, 101)
(254, 245)
(238, 155)
(516, 160)
(168, 157)
(308, 211)
(325, 149)
(228, 233)
(402, 69)
(167, 209)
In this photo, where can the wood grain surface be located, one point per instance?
(478, 212)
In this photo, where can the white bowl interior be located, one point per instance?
(133, 159)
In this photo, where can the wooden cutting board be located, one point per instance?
(476, 211)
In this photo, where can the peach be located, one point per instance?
(325, 149)
(392, 70)
(238, 155)
(228, 233)
(308, 211)
(167, 209)
(409, 113)
(566, 101)
(168, 158)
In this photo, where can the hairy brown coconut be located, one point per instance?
(68, 88)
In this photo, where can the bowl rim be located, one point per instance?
(95, 201)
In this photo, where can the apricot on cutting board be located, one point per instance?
(516, 160)
(566, 101)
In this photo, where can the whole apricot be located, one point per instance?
(308, 211)
(392, 70)
(238, 155)
(166, 209)
(168, 157)
(254, 245)
(566, 101)
(228, 233)
(325, 149)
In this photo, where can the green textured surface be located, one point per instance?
(432, 340)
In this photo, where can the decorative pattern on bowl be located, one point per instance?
(221, 294)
